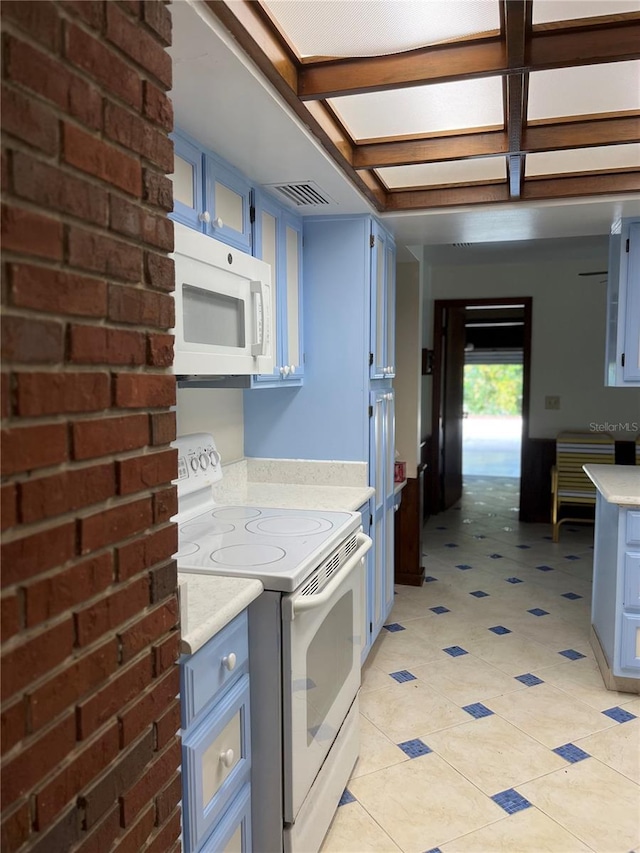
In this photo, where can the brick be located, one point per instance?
(39, 19)
(13, 723)
(31, 341)
(157, 189)
(103, 437)
(106, 614)
(16, 826)
(148, 629)
(23, 772)
(54, 393)
(103, 64)
(5, 169)
(47, 77)
(5, 395)
(62, 835)
(36, 656)
(57, 292)
(120, 775)
(30, 233)
(99, 253)
(167, 835)
(9, 506)
(103, 835)
(103, 345)
(9, 615)
(129, 682)
(79, 770)
(158, 17)
(163, 427)
(136, 134)
(51, 596)
(138, 44)
(72, 683)
(151, 781)
(29, 120)
(144, 710)
(32, 447)
(36, 553)
(140, 473)
(165, 505)
(167, 800)
(159, 272)
(157, 230)
(112, 525)
(132, 7)
(166, 653)
(124, 216)
(164, 581)
(90, 11)
(135, 839)
(160, 350)
(69, 490)
(157, 106)
(96, 157)
(145, 391)
(140, 307)
(167, 724)
(56, 189)
(141, 554)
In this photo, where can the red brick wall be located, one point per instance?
(88, 603)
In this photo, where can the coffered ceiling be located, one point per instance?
(436, 104)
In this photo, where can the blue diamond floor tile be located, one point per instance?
(523, 547)
(429, 579)
(500, 629)
(572, 596)
(529, 679)
(347, 797)
(572, 654)
(463, 566)
(455, 651)
(513, 580)
(433, 850)
(479, 594)
(479, 536)
(538, 611)
(619, 715)
(441, 527)
(414, 748)
(477, 710)
(511, 801)
(571, 557)
(403, 675)
(544, 568)
(571, 753)
(440, 609)
(450, 545)
(393, 627)
(496, 556)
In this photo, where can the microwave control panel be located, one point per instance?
(199, 463)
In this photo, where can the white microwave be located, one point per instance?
(225, 309)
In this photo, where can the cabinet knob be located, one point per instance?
(218, 222)
(227, 757)
(229, 661)
(205, 217)
(292, 369)
(285, 370)
(282, 371)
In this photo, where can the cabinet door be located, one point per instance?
(377, 464)
(233, 833)
(369, 578)
(390, 294)
(188, 184)
(227, 201)
(292, 352)
(378, 330)
(631, 368)
(389, 538)
(266, 246)
(629, 643)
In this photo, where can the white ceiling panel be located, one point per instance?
(598, 159)
(545, 11)
(422, 109)
(584, 90)
(480, 169)
(377, 27)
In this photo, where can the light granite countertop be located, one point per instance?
(618, 484)
(208, 603)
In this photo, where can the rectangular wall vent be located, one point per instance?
(303, 194)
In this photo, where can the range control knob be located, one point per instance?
(214, 457)
(194, 463)
(204, 461)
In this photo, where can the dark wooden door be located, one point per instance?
(451, 401)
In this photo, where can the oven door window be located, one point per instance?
(212, 318)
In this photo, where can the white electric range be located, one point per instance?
(305, 635)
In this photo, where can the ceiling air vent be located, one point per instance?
(303, 194)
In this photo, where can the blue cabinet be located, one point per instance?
(216, 743)
(188, 183)
(623, 305)
(278, 240)
(381, 465)
(382, 306)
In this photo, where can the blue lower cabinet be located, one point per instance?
(630, 642)
(233, 832)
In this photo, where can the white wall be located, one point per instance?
(407, 383)
(218, 411)
(568, 339)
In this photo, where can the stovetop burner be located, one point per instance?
(248, 555)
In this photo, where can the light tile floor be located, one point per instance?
(484, 717)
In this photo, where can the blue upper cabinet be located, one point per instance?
(623, 306)
(227, 200)
(383, 290)
(188, 183)
(278, 240)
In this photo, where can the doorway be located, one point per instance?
(471, 330)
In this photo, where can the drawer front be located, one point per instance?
(216, 761)
(233, 832)
(630, 642)
(632, 579)
(220, 662)
(633, 527)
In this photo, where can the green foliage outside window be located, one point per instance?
(493, 389)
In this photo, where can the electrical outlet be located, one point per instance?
(552, 402)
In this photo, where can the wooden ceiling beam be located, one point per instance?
(517, 26)
(421, 199)
(581, 134)
(571, 186)
(585, 45)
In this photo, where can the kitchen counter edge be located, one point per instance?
(618, 484)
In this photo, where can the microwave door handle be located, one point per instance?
(309, 602)
(259, 347)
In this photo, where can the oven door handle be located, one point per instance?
(309, 602)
